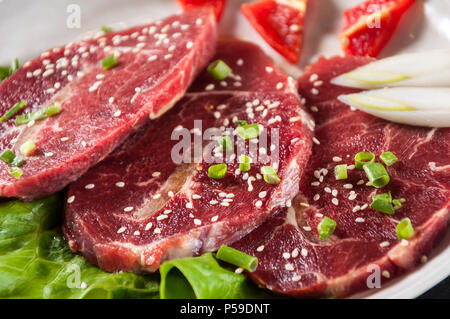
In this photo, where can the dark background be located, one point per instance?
(440, 291)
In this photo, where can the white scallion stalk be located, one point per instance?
(425, 69)
(413, 106)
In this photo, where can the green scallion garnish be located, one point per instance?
(219, 70)
(389, 158)
(217, 171)
(364, 158)
(237, 258)
(383, 203)
(109, 62)
(9, 157)
(4, 72)
(226, 143)
(39, 114)
(27, 148)
(244, 163)
(13, 110)
(16, 172)
(14, 66)
(106, 29)
(404, 229)
(326, 227)
(248, 131)
(340, 171)
(240, 122)
(270, 175)
(377, 174)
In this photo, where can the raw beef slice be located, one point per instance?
(138, 208)
(292, 259)
(100, 108)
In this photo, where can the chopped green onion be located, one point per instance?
(226, 143)
(219, 70)
(9, 157)
(13, 110)
(241, 122)
(106, 29)
(404, 229)
(237, 258)
(388, 158)
(383, 203)
(244, 163)
(217, 171)
(109, 62)
(340, 171)
(27, 148)
(248, 131)
(364, 158)
(4, 72)
(326, 227)
(377, 174)
(38, 115)
(14, 66)
(270, 175)
(397, 204)
(16, 172)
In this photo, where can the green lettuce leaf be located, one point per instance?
(36, 262)
(203, 278)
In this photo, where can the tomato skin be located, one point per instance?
(273, 21)
(358, 38)
(217, 5)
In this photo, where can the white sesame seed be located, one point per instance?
(315, 183)
(352, 196)
(262, 194)
(156, 174)
(189, 205)
(337, 159)
(209, 87)
(128, 209)
(296, 278)
(279, 86)
(316, 197)
(314, 91)
(161, 217)
(304, 252)
(360, 220)
(313, 77)
(214, 218)
(225, 204)
(269, 69)
(289, 267)
(364, 206)
(335, 201)
(423, 259)
(384, 244)
(89, 186)
(199, 21)
(404, 242)
(64, 139)
(319, 215)
(260, 248)
(314, 109)
(157, 230)
(240, 62)
(288, 203)
(148, 226)
(152, 58)
(117, 113)
(294, 253)
(48, 72)
(360, 182)
(197, 222)
(306, 228)
(386, 274)
(71, 199)
(121, 230)
(258, 204)
(286, 255)
(189, 44)
(316, 141)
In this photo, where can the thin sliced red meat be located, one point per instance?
(100, 108)
(292, 258)
(138, 208)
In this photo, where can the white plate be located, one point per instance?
(28, 28)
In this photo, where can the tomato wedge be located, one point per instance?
(280, 23)
(217, 5)
(369, 26)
